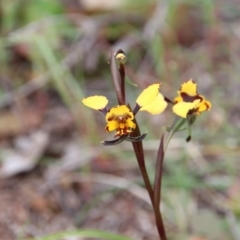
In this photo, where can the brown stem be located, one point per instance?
(122, 75)
(141, 163)
(157, 189)
(159, 223)
(116, 79)
(138, 149)
(118, 76)
(158, 174)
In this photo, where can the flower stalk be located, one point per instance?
(121, 118)
(122, 60)
(139, 153)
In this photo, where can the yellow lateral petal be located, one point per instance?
(182, 108)
(95, 102)
(157, 106)
(111, 126)
(204, 106)
(189, 87)
(178, 99)
(130, 124)
(148, 95)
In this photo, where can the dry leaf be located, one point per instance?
(25, 155)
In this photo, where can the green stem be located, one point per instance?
(177, 124)
(188, 130)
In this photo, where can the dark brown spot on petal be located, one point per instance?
(110, 119)
(192, 111)
(187, 98)
(207, 105)
(128, 116)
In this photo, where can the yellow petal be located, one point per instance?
(130, 124)
(111, 126)
(189, 87)
(204, 106)
(178, 99)
(119, 111)
(95, 102)
(148, 94)
(182, 108)
(157, 106)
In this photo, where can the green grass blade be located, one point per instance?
(82, 233)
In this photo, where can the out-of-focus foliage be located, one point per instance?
(54, 53)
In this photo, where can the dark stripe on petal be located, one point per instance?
(207, 105)
(110, 119)
(187, 98)
(192, 111)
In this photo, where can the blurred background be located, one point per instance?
(55, 174)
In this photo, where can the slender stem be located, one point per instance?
(157, 189)
(177, 124)
(189, 130)
(157, 212)
(116, 79)
(142, 167)
(122, 75)
(118, 76)
(158, 174)
(159, 223)
(138, 149)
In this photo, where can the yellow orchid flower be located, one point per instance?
(121, 117)
(189, 102)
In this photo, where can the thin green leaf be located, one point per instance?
(82, 233)
(177, 124)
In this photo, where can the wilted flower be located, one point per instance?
(189, 102)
